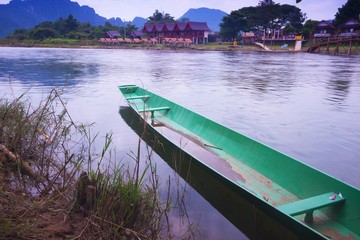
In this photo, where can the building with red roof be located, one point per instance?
(197, 32)
(350, 28)
(323, 29)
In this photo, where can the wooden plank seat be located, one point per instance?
(145, 97)
(308, 205)
(128, 88)
(154, 109)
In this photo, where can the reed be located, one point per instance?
(53, 184)
(125, 202)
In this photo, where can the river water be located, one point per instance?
(305, 105)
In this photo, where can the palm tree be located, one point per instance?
(160, 17)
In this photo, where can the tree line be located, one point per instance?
(269, 15)
(69, 28)
(266, 15)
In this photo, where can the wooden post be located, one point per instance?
(85, 192)
(328, 46)
(90, 197)
(350, 45)
(81, 188)
(336, 52)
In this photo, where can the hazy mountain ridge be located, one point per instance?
(213, 17)
(28, 13)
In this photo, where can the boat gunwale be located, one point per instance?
(325, 175)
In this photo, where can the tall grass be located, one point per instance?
(126, 202)
(50, 170)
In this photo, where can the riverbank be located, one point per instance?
(52, 185)
(93, 44)
(225, 46)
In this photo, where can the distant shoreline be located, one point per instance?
(96, 45)
(225, 47)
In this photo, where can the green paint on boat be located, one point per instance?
(306, 201)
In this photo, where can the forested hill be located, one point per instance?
(213, 17)
(28, 13)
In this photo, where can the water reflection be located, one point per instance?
(339, 90)
(273, 76)
(339, 83)
(200, 179)
(285, 101)
(51, 72)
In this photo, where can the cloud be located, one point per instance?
(316, 10)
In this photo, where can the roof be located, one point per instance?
(159, 27)
(248, 34)
(113, 34)
(180, 26)
(198, 26)
(148, 27)
(169, 27)
(177, 26)
(324, 24)
(136, 34)
(351, 23)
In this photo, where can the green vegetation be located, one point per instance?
(270, 15)
(350, 10)
(160, 17)
(308, 28)
(266, 15)
(68, 28)
(44, 196)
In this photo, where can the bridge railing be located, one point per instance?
(335, 41)
(337, 37)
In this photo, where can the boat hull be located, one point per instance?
(233, 203)
(246, 206)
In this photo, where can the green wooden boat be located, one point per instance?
(277, 196)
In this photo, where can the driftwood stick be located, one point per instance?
(23, 165)
(44, 135)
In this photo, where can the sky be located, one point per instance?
(129, 9)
